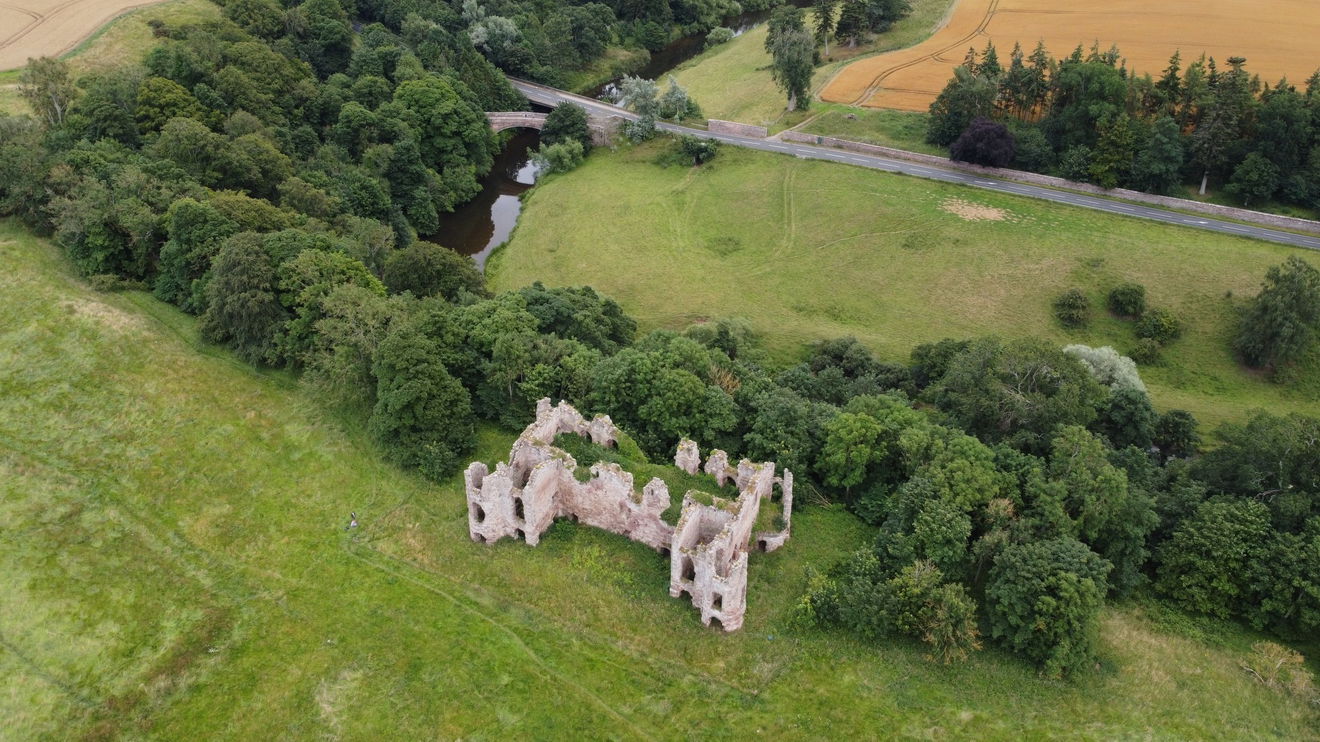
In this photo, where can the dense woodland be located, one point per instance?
(1088, 118)
(270, 174)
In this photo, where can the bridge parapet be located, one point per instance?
(602, 127)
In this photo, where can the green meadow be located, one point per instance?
(807, 250)
(175, 565)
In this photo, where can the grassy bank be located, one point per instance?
(176, 566)
(732, 81)
(808, 250)
(123, 41)
(887, 128)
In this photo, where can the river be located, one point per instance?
(482, 224)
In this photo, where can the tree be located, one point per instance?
(1224, 115)
(423, 415)
(783, 19)
(676, 104)
(427, 269)
(824, 16)
(881, 14)
(1108, 366)
(1043, 599)
(261, 18)
(852, 445)
(1158, 165)
(1115, 151)
(567, 121)
(852, 23)
(1206, 566)
(323, 35)
(1128, 419)
(984, 143)
(242, 308)
(921, 605)
(159, 100)
(1279, 325)
(792, 64)
(1255, 179)
(197, 231)
(965, 98)
(1263, 458)
(1018, 391)
(48, 88)
(1175, 434)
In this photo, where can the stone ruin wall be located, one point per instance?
(708, 549)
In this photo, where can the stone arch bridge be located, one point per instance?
(602, 127)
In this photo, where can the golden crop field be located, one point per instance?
(1277, 37)
(37, 28)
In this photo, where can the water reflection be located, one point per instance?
(478, 226)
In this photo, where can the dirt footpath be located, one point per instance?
(1278, 38)
(35, 28)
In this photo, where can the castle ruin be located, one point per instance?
(707, 549)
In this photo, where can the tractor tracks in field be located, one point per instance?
(876, 82)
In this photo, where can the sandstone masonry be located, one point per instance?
(707, 550)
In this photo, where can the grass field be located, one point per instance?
(175, 566)
(124, 40)
(1276, 36)
(808, 250)
(732, 81)
(898, 129)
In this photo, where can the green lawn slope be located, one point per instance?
(174, 565)
(732, 80)
(807, 250)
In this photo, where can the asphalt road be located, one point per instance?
(551, 96)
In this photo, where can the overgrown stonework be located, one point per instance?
(707, 549)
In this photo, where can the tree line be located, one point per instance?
(1088, 118)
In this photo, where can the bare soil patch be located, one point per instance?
(104, 314)
(1276, 36)
(973, 212)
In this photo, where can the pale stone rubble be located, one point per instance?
(707, 550)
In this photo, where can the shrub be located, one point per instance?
(640, 130)
(1146, 352)
(1128, 300)
(700, 149)
(1159, 325)
(1073, 308)
(1281, 669)
(719, 35)
(559, 157)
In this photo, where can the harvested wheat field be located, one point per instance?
(1278, 38)
(36, 28)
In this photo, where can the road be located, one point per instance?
(551, 96)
